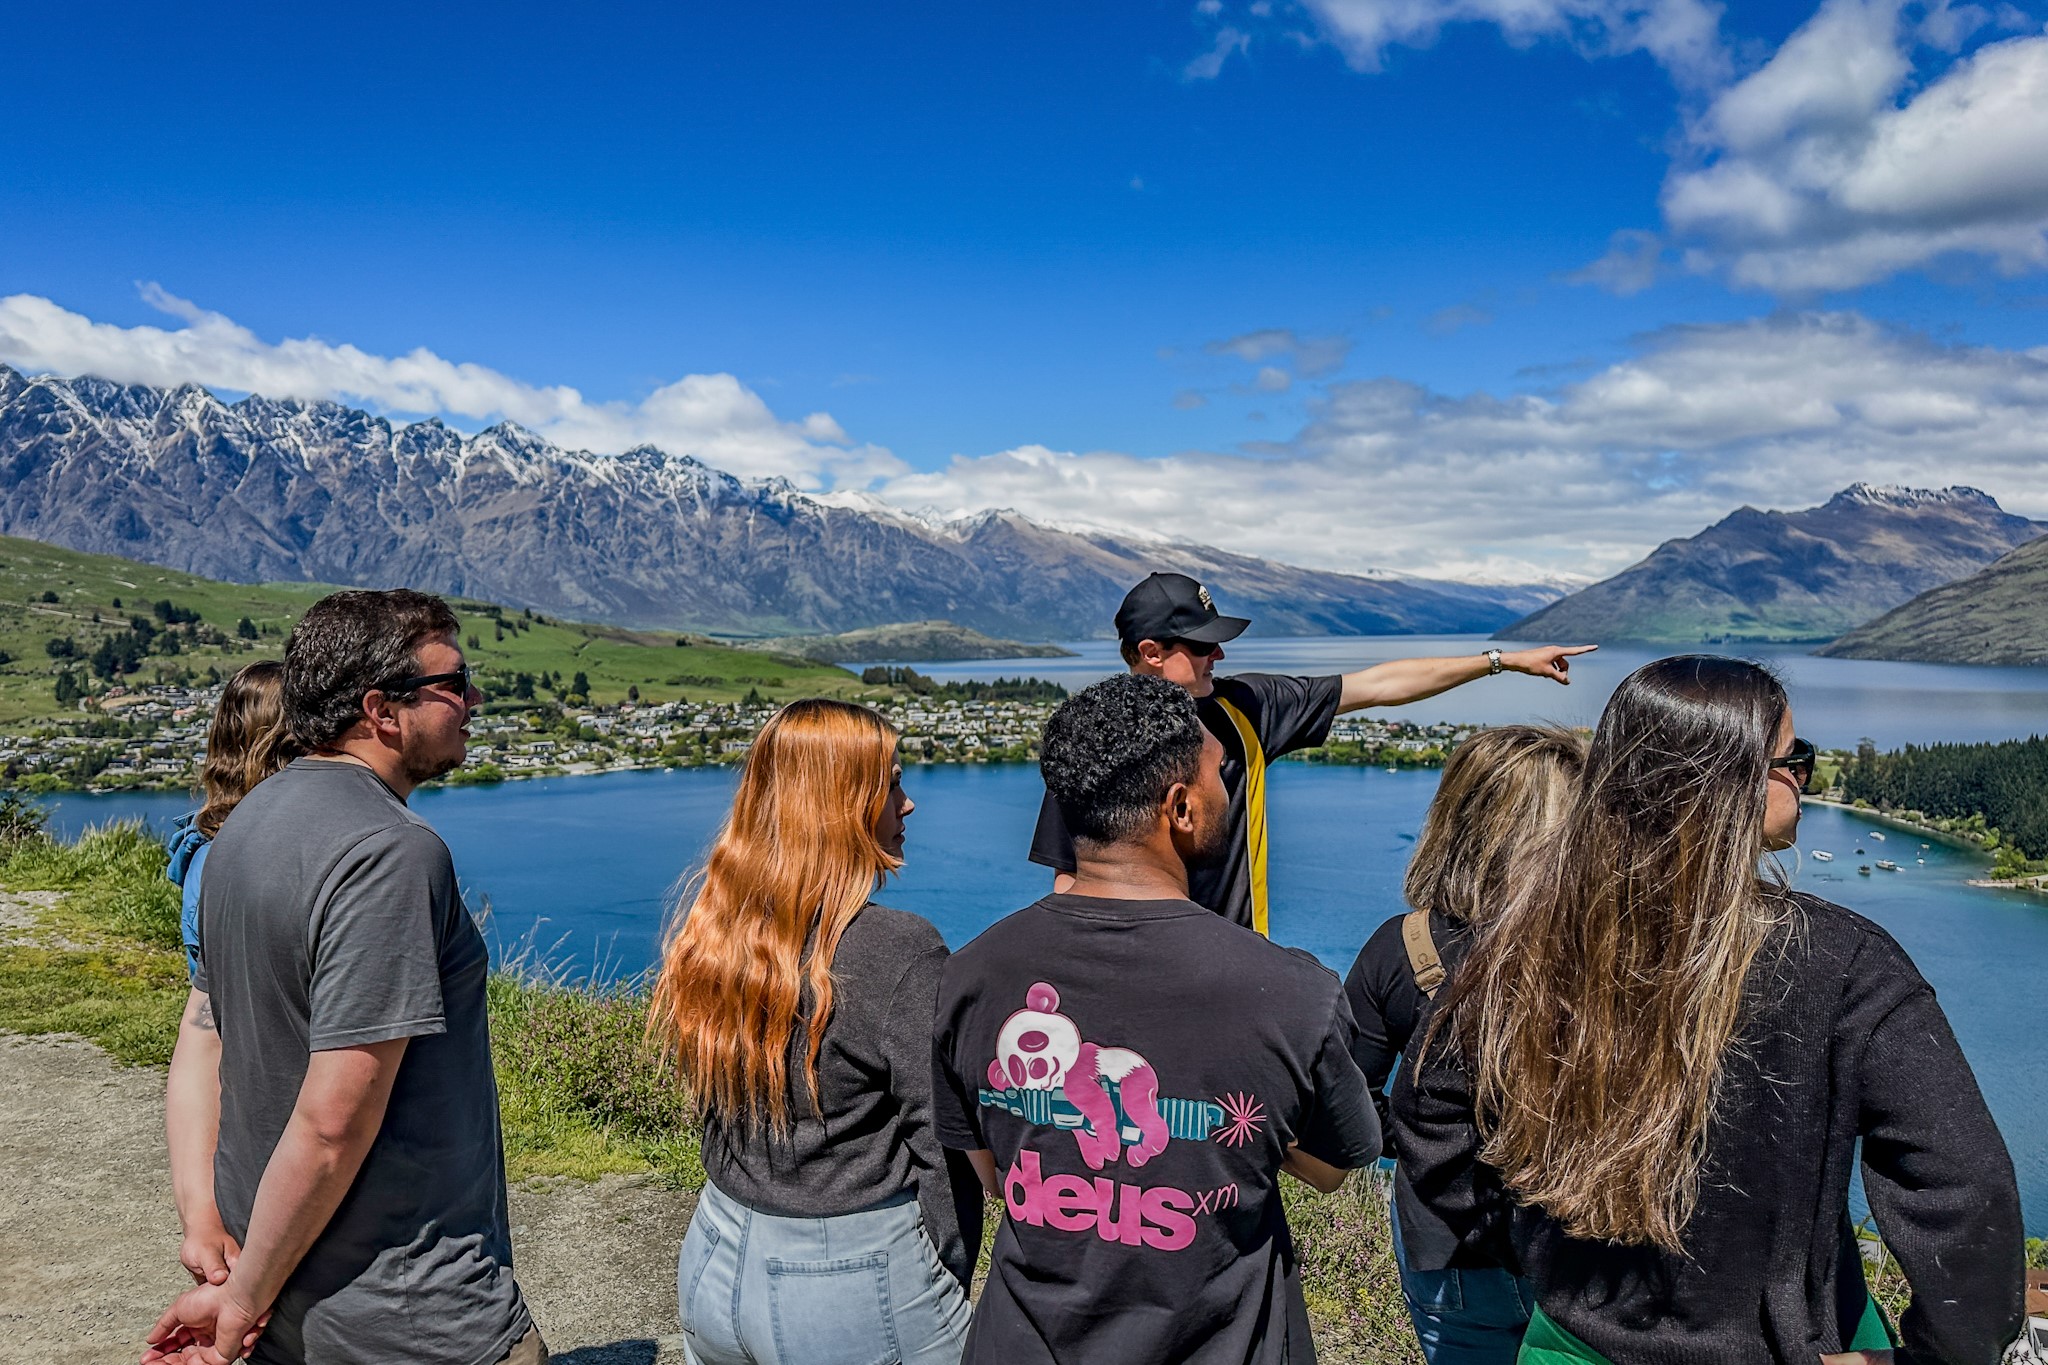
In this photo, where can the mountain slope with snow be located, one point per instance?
(263, 489)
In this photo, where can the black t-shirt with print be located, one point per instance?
(1139, 1070)
(1286, 714)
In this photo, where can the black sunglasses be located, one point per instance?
(1201, 649)
(1800, 761)
(460, 677)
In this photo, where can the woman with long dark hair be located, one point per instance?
(1501, 796)
(800, 1013)
(1648, 1079)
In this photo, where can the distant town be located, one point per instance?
(153, 737)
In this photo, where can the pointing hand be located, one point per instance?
(1550, 661)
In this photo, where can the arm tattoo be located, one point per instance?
(203, 1016)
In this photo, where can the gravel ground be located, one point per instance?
(89, 1237)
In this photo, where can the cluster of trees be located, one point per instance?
(1002, 689)
(2006, 784)
(523, 686)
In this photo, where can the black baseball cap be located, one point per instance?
(1172, 606)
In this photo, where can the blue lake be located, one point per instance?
(583, 869)
(1838, 701)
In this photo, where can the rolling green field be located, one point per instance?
(50, 594)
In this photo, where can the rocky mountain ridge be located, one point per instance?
(267, 489)
(1806, 575)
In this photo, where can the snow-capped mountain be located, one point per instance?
(265, 489)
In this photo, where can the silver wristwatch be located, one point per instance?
(1493, 663)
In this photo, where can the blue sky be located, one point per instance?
(1305, 279)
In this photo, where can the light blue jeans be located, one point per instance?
(1463, 1317)
(863, 1288)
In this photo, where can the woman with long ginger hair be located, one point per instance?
(800, 1013)
(1647, 1081)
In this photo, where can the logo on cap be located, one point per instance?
(1203, 594)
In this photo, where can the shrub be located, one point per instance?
(582, 1091)
(20, 821)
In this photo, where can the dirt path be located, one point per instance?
(89, 1241)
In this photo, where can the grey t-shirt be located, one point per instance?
(330, 918)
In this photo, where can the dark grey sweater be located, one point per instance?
(1842, 1040)
(1389, 1007)
(874, 1139)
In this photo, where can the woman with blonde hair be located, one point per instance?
(1501, 795)
(246, 743)
(1666, 1060)
(800, 1014)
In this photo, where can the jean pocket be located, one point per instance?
(1434, 1291)
(833, 1312)
(700, 1244)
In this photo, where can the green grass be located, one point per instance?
(615, 659)
(1348, 1274)
(581, 1092)
(86, 586)
(104, 963)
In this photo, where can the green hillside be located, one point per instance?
(100, 621)
(1999, 616)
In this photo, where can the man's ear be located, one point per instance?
(1151, 653)
(1179, 805)
(380, 713)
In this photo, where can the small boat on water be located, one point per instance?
(1821, 855)
(1887, 865)
(1875, 835)
(1863, 869)
(1859, 851)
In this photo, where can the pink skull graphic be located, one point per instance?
(1039, 1048)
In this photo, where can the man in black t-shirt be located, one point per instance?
(1169, 628)
(1136, 1146)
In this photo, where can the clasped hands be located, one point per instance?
(209, 1324)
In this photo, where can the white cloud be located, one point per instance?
(1776, 412)
(1209, 65)
(1579, 477)
(1683, 36)
(1456, 318)
(712, 416)
(1828, 169)
(1863, 148)
(1632, 264)
(1272, 379)
(1312, 355)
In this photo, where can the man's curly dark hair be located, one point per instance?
(1111, 751)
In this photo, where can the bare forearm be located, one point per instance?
(340, 1108)
(1405, 680)
(1401, 681)
(192, 1113)
(301, 1187)
(1314, 1171)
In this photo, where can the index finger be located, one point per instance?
(1577, 649)
(166, 1327)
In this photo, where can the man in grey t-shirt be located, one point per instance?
(359, 1164)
